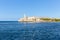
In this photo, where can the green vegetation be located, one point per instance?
(45, 18)
(51, 19)
(57, 20)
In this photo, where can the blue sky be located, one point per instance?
(12, 10)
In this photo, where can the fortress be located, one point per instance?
(30, 19)
(37, 19)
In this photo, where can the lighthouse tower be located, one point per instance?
(25, 17)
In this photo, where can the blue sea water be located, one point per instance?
(13, 30)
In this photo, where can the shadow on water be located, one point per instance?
(29, 31)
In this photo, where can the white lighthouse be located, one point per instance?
(25, 17)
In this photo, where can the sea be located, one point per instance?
(14, 30)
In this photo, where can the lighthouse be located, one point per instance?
(25, 17)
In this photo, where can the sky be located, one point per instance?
(12, 10)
